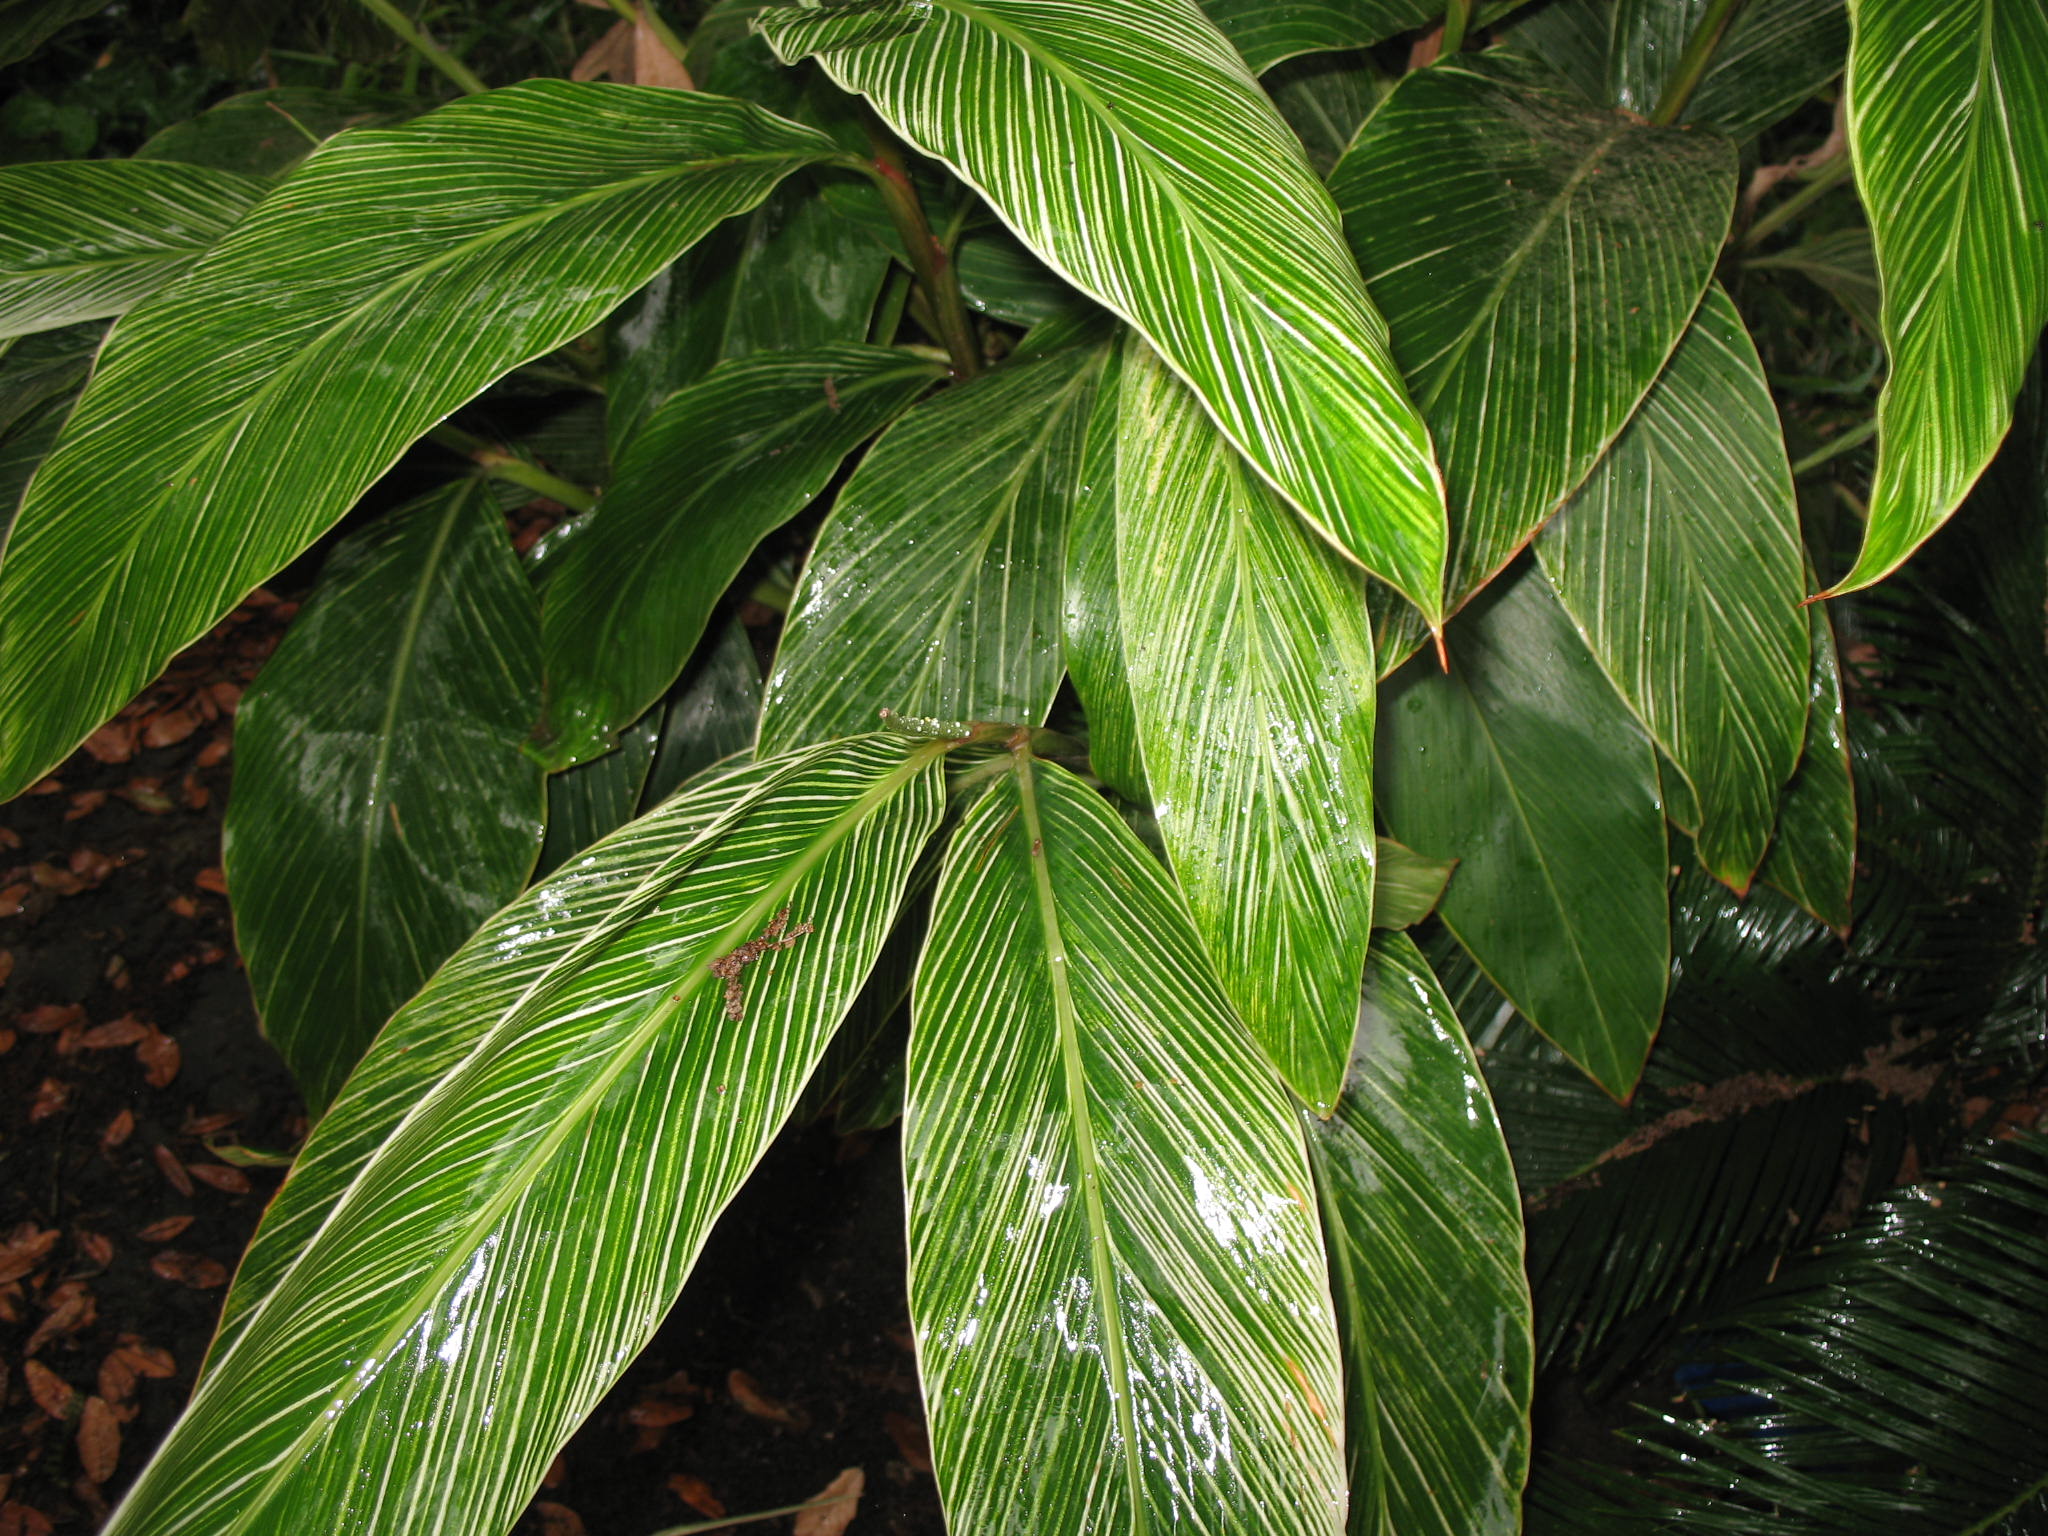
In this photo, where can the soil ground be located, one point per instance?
(132, 1078)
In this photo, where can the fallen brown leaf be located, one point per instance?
(163, 1231)
(99, 1440)
(84, 803)
(97, 1249)
(17, 1519)
(11, 1302)
(557, 1472)
(159, 1056)
(195, 794)
(24, 1248)
(173, 1171)
(50, 1018)
(46, 787)
(188, 1269)
(651, 1413)
(51, 878)
(696, 1493)
(215, 751)
(117, 1379)
(149, 1360)
(52, 1393)
(212, 878)
(9, 838)
(125, 1030)
(207, 1125)
(558, 1519)
(68, 1039)
(51, 1097)
(832, 1519)
(12, 899)
(87, 1492)
(117, 973)
(183, 906)
(118, 1130)
(90, 865)
(6, 1041)
(147, 795)
(229, 1181)
(113, 742)
(748, 1394)
(71, 1308)
(6, 965)
(170, 728)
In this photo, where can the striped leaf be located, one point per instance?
(1406, 886)
(85, 239)
(1524, 765)
(1251, 670)
(382, 805)
(1129, 148)
(936, 586)
(266, 133)
(1267, 32)
(599, 796)
(1813, 856)
(1946, 99)
(479, 1252)
(397, 272)
(1538, 261)
(716, 468)
(1679, 560)
(1115, 1273)
(1424, 1223)
(1621, 53)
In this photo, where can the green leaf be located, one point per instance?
(85, 239)
(1538, 262)
(40, 377)
(266, 133)
(1813, 856)
(1424, 1224)
(1946, 101)
(1251, 671)
(382, 805)
(1842, 261)
(999, 277)
(1774, 56)
(1267, 32)
(936, 586)
(718, 466)
(713, 712)
(1524, 765)
(1093, 629)
(395, 274)
(508, 1194)
(1406, 886)
(1183, 204)
(1679, 560)
(599, 796)
(1326, 100)
(26, 24)
(792, 274)
(1109, 1205)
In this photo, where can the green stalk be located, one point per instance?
(1862, 432)
(1824, 181)
(928, 258)
(509, 467)
(1457, 18)
(425, 46)
(1692, 64)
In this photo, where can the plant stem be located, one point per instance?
(727, 1522)
(501, 465)
(425, 46)
(1457, 17)
(1692, 64)
(928, 259)
(1862, 432)
(1824, 181)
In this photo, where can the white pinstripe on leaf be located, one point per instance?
(1117, 1278)
(1251, 670)
(1131, 149)
(476, 1250)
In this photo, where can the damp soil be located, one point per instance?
(139, 1100)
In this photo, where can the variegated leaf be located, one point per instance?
(1946, 102)
(1116, 1278)
(1679, 560)
(1182, 202)
(395, 274)
(1251, 670)
(935, 587)
(1424, 1223)
(481, 1253)
(84, 239)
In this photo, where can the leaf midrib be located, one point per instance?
(517, 1182)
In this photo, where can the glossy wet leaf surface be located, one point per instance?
(1116, 1277)
(577, 1104)
(383, 807)
(1251, 670)
(1812, 856)
(1184, 205)
(395, 274)
(1679, 560)
(1537, 261)
(1525, 766)
(1424, 1223)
